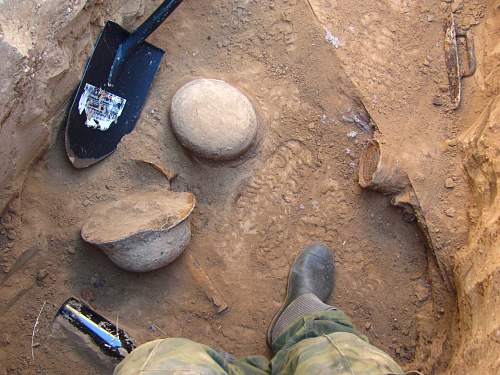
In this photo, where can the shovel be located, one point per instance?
(113, 89)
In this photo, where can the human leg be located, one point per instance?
(311, 337)
(178, 356)
(327, 342)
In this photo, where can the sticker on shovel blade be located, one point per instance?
(102, 108)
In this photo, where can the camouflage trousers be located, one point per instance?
(320, 343)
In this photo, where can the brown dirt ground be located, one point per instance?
(297, 185)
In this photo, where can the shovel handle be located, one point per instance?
(152, 23)
(140, 34)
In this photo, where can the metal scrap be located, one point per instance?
(206, 284)
(453, 62)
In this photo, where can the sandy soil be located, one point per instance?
(297, 185)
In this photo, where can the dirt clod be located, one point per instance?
(452, 142)
(97, 281)
(42, 274)
(437, 101)
(449, 183)
(450, 212)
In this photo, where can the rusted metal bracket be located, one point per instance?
(206, 284)
(453, 62)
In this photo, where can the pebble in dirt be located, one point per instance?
(213, 119)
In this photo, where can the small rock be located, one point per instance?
(450, 212)
(11, 235)
(97, 282)
(4, 339)
(449, 183)
(368, 326)
(352, 134)
(330, 185)
(70, 250)
(452, 142)
(42, 274)
(421, 292)
(437, 101)
(335, 41)
(430, 18)
(349, 153)
(86, 202)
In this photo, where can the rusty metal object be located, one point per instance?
(206, 285)
(452, 58)
(381, 171)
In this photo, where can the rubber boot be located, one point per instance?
(310, 283)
